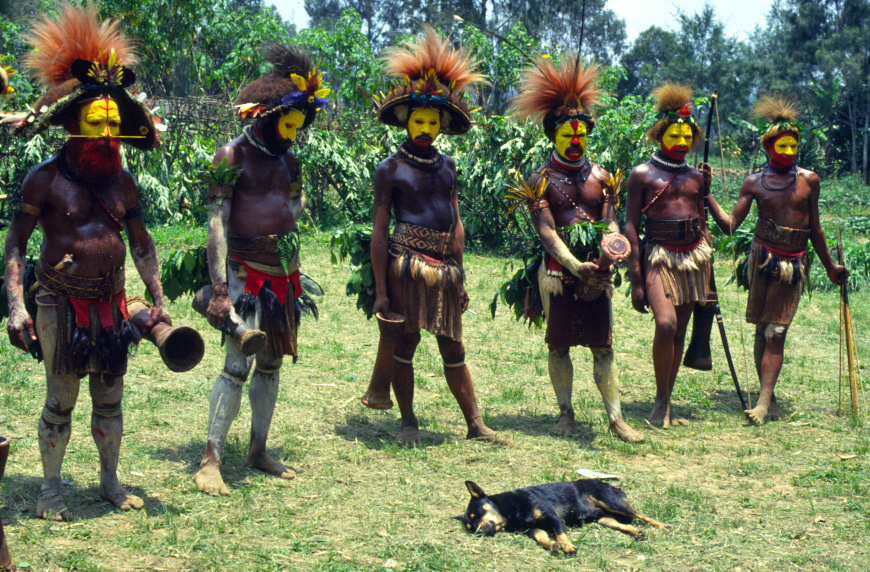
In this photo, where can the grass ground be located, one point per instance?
(791, 495)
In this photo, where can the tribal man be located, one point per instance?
(418, 272)
(253, 253)
(673, 271)
(574, 293)
(84, 202)
(788, 217)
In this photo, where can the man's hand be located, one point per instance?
(159, 315)
(837, 273)
(21, 330)
(463, 298)
(638, 297)
(218, 308)
(707, 171)
(588, 272)
(382, 305)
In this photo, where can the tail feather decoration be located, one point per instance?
(546, 87)
(419, 56)
(78, 34)
(289, 60)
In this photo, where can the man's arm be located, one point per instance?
(458, 237)
(545, 226)
(33, 193)
(144, 254)
(817, 234)
(219, 207)
(608, 208)
(636, 185)
(727, 223)
(380, 230)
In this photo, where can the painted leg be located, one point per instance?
(459, 381)
(107, 426)
(263, 393)
(403, 388)
(607, 379)
(54, 431)
(562, 379)
(377, 396)
(771, 365)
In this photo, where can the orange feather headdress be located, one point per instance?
(432, 74)
(674, 102)
(78, 59)
(556, 94)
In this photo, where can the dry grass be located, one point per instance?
(777, 497)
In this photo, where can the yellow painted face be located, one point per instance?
(100, 118)
(424, 125)
(786, 146)
(571, 140)
(289, 123)
(783, 152)
(677, 140)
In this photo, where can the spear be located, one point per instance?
(714, 100)
(848, 330)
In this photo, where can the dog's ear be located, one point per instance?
(460, 518)
(476, 491)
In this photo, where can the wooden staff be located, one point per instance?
(848, 331)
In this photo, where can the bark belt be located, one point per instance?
(672, 230)
(83, 287)
(255, 243)
(791, 239)
(423, 239)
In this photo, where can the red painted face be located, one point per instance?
(783, 151)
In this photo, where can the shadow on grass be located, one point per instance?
(537, 425)
(382, 432)
(83, 503)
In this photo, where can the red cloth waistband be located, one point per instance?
(788, 255)
(256, 278)
(681, 247)
(81, 306)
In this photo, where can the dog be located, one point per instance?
(550, 508)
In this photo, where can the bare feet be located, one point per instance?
(208, 480)
(757, 415)
(375, 401)
(409, 436)
(261, 460)
(118, 496)
(50, 506)
(480, 432)
(773, 412)
(625, 432)
(565, 426)
(677, 420)
(661, 415)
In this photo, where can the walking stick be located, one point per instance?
(715, 296)
(849, 332)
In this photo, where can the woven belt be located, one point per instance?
(83, 287)
(792, 239)
(685, 230)
(423, 239)
(254, 243)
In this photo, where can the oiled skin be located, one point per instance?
(73, 222)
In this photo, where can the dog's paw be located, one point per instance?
(564, 546)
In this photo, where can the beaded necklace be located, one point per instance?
(584, 174)
(257, 143)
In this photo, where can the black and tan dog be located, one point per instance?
(550, 508)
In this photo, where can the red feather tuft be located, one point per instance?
(546, 87)
(76, 35)
(415, 57)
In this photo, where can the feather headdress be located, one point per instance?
(294, 83)
(5, 72)
(78, 59)
(556, 94)
(674, 102)
(776, 115)
(430, 73)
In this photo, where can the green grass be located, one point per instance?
(777, 497)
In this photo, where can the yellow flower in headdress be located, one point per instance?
(313, 86)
